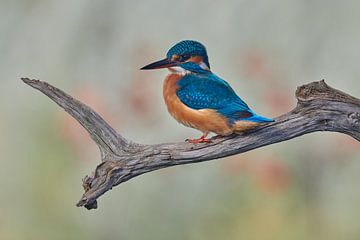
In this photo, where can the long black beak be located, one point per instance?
(164, 63)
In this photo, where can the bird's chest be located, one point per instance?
(206, 120)
(175, 107)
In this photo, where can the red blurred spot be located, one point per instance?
(279, 101)
(269, 174)
(72, 131)
(140, 97)
(346, 143)
(262, 67)
(256, 65)
(235, 165)
(140, 94)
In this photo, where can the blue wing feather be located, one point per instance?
(204, 90)
(208, 91)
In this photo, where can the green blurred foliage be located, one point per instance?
(306, 188)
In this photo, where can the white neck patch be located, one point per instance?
(203, 65)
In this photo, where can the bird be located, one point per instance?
(198, 98)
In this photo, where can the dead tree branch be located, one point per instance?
(319, 108)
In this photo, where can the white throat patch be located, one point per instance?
(181, 71)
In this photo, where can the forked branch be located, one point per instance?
(319, 108)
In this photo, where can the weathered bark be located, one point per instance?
(319, 108)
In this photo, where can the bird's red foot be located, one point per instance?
(200, 140)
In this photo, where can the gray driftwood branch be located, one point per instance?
(319, 108)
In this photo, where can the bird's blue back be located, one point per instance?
(204, 90)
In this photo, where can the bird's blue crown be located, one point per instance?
(189, 47)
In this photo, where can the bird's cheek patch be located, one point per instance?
(175, 57)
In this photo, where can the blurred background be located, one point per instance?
(305, 188)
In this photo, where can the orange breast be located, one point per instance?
(205, 120)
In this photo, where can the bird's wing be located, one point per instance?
(207, 91)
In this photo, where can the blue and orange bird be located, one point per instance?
(198, 98)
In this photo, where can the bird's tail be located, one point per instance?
(250, 122)
(259, 119)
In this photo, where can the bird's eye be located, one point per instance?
(184, 57)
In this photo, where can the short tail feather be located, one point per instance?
(259, 119)
(250, 122)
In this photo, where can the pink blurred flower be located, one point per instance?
(258, 65)
(269, 174)
(71, 130)
(140, 94)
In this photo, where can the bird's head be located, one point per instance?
(181, 53)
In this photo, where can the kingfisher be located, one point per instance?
(198, 98)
